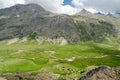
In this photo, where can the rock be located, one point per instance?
(71, 59)
(24, 39)
(11, 41)
(47, 76)
(2, 78)
(61, 40)
(18, 76)
(101, 73)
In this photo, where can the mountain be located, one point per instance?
(22, 10)
(117, 13)
(84, 12)
(109, 14)
(99, 13)
(32, 20)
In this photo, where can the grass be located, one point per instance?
(30, 56)
(82, 63)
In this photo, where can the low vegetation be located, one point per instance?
(70, 60)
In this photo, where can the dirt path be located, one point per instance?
(80, 57)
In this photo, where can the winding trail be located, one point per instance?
(80, 57)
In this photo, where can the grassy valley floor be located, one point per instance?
(71, 60)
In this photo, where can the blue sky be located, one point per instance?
(67, 2)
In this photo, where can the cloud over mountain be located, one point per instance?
(54, 6)
(102, 5)
(8, 3)
(57, 6)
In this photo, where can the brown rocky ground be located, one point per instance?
(29, 76)
(101, 73)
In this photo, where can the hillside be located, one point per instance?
(23, 20)
(30, 60)
(39, 45)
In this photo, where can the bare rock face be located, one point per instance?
(21, 21)
(101, 73)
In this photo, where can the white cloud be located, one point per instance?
(91, 10)
(55, 6)
(51, 5)
(67, 9)
(8, 3)
(99, 5)
(78, 3)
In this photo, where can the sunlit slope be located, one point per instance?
(31, 56)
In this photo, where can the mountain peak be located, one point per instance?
(109, 14)
(117, 13)
(35, 6)
(84, 12)
(28, 10)
(28, 6)
(100, 13)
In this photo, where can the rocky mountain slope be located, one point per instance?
(101, 73)
(32, 20)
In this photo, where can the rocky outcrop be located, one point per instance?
(101, 73)
(60, 41)
(48, 76)
(30, 76)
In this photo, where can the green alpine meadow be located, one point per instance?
(36, 44)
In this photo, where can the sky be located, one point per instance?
(69, 6)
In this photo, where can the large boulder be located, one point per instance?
(101, 73)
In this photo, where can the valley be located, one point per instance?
(32, 57)
(36, 44)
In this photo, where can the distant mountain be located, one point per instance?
(99, 13)
(25, 20)
(117, 13)
(23, 10)
(84, 12)
(109, 14)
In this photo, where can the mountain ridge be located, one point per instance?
(23, 20)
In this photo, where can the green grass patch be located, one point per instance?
(31, 56)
